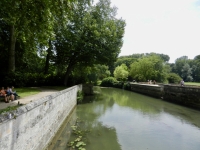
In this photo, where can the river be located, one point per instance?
(117, 119)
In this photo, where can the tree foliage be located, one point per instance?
(92, 36)
(121, 72)
(148, 68)
(30, 22)
(173, 78)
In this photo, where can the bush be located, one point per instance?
(108, 82)
(118, 84)
(127, 86)
(19, 79)
(173, 78)
(80, 96)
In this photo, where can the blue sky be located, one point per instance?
(169, 27)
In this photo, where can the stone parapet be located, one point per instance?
(148, 89)
(33, 125)
(185, 95)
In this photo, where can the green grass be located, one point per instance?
(192, 83)
(9, 108)
(26, 91)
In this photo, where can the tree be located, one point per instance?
(148, 68)
(125, 60)
(30, 22)
(179, 63)
(92, 36)
(196, 68)
(186, 72)
(164, 57)
(173, 78)
(121, 72)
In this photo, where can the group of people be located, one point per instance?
(9, 94)
(150, 82)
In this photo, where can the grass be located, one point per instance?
(9, 108)
(192, 83)
(26, 91)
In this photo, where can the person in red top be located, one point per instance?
(3, 94)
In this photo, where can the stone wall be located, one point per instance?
(187, 95)
(148, 89)
(33, 125)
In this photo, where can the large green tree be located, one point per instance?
(196, 69)
(30, 22)
(121, 72)
(182, 68)
(149, 68)
(92, 36)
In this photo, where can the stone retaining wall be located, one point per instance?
(148, 89)
(33, 125)
(187, 95)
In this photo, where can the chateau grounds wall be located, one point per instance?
(148, 89)
(184, 95)
(33, 125)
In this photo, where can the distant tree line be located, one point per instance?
(153, 66)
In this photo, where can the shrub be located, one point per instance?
(173, 78)
(108, 82)
(127, 86)
(80, 96)
(118, 84)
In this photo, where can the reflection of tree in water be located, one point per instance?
(133, 100)
(151, 106)
(111, 102)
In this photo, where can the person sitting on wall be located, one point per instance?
(154, 81)
(9, 95)
(14, 93)
(182, 83)
(3, 94)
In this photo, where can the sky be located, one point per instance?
(170, 27)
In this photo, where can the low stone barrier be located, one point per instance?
(148, 89)
(32, 126)
(185, 95)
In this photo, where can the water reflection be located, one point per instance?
(119, 119)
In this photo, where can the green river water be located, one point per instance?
(117, 119)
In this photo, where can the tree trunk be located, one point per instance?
(67, 73)
(11, 52)
(46, 69)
